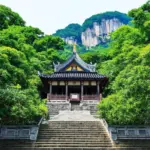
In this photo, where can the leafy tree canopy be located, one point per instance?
(128, 94)
(8, 18)
(24, 51)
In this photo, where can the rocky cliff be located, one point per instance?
(95, 30)
(100, 32)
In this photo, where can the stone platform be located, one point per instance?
(55, 107)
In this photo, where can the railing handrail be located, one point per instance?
(64, 97)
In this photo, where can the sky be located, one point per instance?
(51, 15)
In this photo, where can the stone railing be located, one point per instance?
(129, 132)
(24, 132)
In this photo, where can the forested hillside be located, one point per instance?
(24, 50)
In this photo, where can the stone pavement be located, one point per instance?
(74, 116)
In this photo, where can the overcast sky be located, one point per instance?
(50, 15)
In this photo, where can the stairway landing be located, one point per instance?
(74, 116)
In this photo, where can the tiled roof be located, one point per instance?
(75, 57)
(73, 76)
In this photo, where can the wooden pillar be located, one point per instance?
(50, 90)
(98, 90)
(82, 90)
(66, 90)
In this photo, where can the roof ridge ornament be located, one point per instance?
(74, 48)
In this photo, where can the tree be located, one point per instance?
(20, 107)
(141, 20)
(8, 18)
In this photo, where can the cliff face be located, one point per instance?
(100, 32)
(95, 30)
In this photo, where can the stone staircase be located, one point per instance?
(62, 135)
(73, 134)
(74, 130)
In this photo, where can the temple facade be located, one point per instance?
(74, 81)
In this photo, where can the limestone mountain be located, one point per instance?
(95, 30)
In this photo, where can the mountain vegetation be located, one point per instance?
(72, 30)
(88, 23)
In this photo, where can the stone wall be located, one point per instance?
(19, 132)
(56, 106)
(89, 105)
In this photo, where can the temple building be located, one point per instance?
(74, 81)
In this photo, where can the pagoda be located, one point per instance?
(74, 80)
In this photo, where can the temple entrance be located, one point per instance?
(74, 89)
(74, 93)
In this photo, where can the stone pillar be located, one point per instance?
(50, 90)
(66, 90)
(82, 90)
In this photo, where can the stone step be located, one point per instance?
(75, 134)
(74, 128)
(72, 139)
(70, 142)
(74, 145)
(72, 136)
(72, 131)
(74, 148)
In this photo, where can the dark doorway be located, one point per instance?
(59, 90)
(74, 89)
(90, 90)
